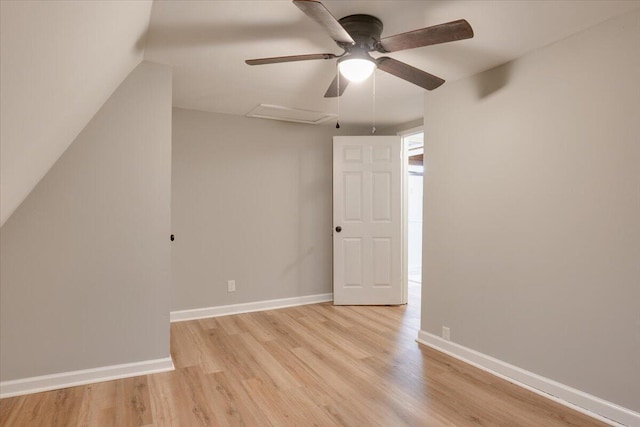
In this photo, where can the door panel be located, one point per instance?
(367, 209)
(352, 154)
(382, 261)
(352, 196)
(353, 269)
(382, 198)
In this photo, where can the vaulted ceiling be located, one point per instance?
(207, 42)
(61, 60)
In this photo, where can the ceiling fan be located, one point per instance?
(358, 35)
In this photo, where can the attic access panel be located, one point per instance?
(276, 112)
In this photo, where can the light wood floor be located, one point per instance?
(316, 365)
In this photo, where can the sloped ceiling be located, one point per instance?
(207, 42)
(61, 60)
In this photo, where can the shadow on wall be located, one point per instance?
(490, 81)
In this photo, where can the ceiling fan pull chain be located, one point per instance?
(338, 96)
(373, 129)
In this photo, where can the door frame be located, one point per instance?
(404, 209)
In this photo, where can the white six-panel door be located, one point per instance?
(366, 211)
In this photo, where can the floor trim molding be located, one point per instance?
(580, 401)
(248, 307)
(84, 376)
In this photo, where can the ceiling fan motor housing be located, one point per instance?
(365, 30)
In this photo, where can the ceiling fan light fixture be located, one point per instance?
(360, 34)
(356, 69)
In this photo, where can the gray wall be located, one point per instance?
(251, 202)
(394, 130)
(532, 212)
(84, 260)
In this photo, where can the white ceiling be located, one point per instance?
(207, 42)
(60, 62)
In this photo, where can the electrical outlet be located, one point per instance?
(446, 333)
(231, 286)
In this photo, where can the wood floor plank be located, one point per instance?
(286, 335)
(256, 328)
(11, 410)
(167, 407)
(318, 388)
(232, 400)
(193, 348)
(280, 376)
(311, 365)
(229, 350)
(231, 325)
(324, 311)
(133, 407)
(331, 336)
(97, 407)
(342, 387)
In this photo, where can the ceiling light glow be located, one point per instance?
(356, 69)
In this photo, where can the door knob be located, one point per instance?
(338, 229)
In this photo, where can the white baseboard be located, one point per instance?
(580, 401)
(85, 376)
(226, 310)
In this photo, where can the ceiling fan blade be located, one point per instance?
(292, 58)
(316, 11)
(332, 92)
(409, 73)
(451, 31)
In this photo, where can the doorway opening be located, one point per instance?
(413, 143)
